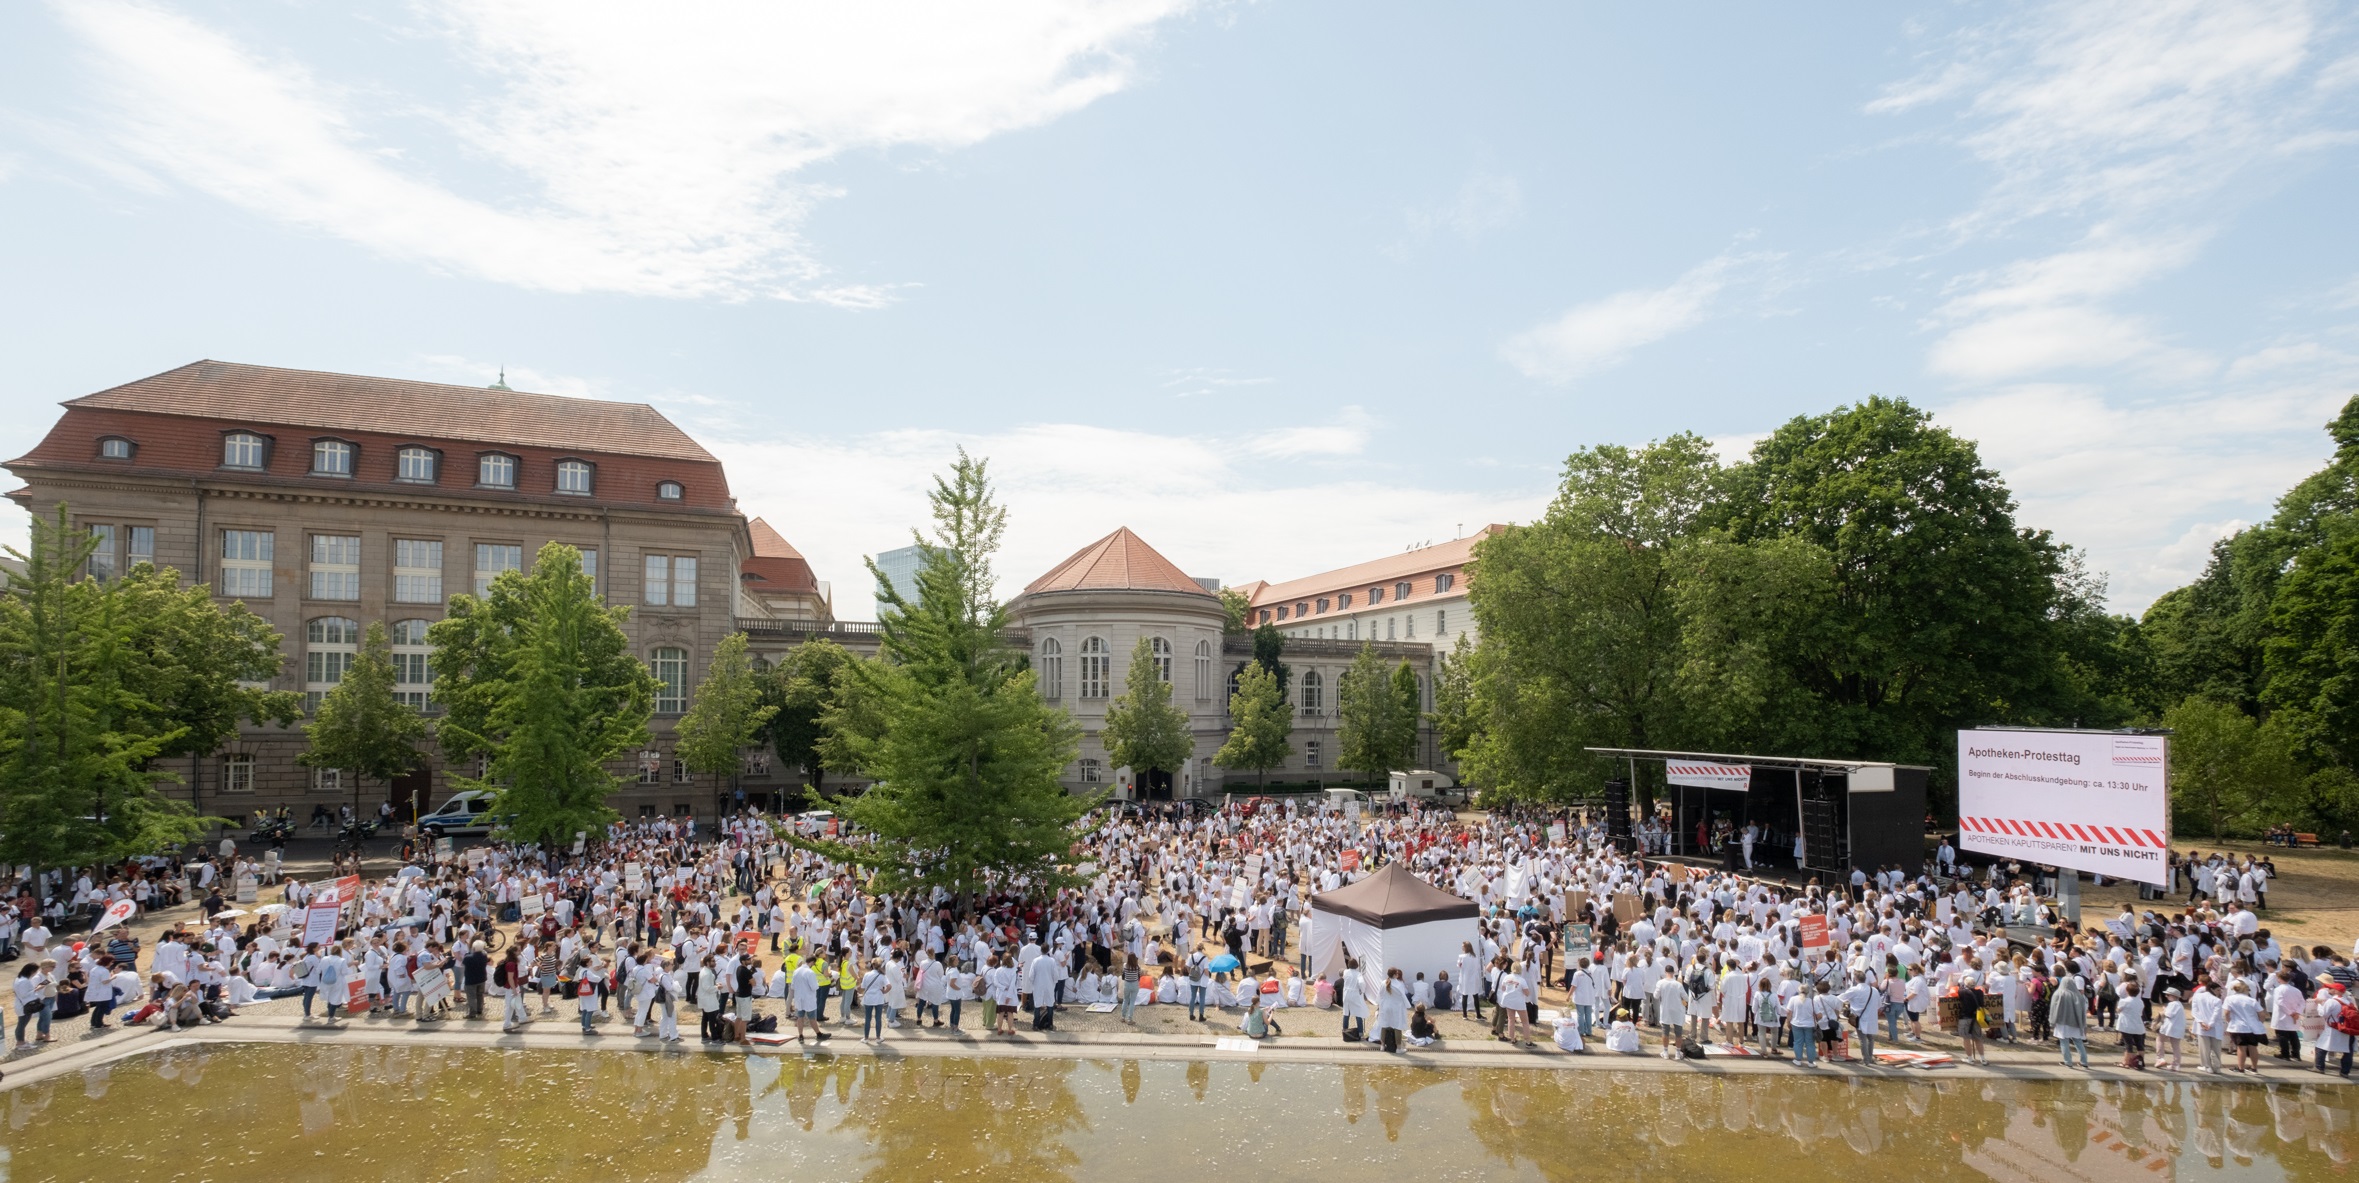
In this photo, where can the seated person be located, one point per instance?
(1568, 1036)
(1442, 998)
(1421, 1028)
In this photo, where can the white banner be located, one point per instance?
(319, 924)
(2089, 800)
(1708, 776)
(116, 913)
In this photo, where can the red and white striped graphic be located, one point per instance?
(2064, 832)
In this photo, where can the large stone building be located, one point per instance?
(326, 501)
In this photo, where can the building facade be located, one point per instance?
(1418, 595)
(324, 502)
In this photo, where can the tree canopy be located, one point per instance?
(362, 726)
(537, 678)
(1142, 729)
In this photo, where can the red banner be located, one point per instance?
(1814, 932)
(1351, 860)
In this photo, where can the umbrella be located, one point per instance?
(229, 913)
(1222, 964)
(275, 909)
(412, 872)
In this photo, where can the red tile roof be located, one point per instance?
(395, 406)
(1120, 560)
(769, 543)
(1442, 556)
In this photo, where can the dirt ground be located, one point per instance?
(2314, 900)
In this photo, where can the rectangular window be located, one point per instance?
(1441, 623)
(491, 558)
(417, 465)
(1409, 627)
(590, 568)
(671, 581)
(143, 546)
(412, 678)
(496, 471)
(1388, 623)
(1442, 583)
(102, 556)
(1375, 596)
(1344, 601)
(1322, 604)
(245, 564)
(1265, 615)
(671, 681)
(327, 780)
(680, 773)
(237, 774)
(417, 570)
(1310, 754)
(335, 567)
(1400, 591)
(1089, 771)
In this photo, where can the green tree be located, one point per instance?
(1580, 616)
(799, 689)
(1143, 730)
(1269, 645)
(362, 726)
(725, 716)
(1235, 608)
(1939, 612)
(538, 677)
(966, 757)
(77, 783)
(199, 664)
(1368, 717)
(1261, 723)
(2225, 768)
(2311, 655)
(1408, 714)
(1457, 716)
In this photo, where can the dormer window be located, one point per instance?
(243, 449)
(331, 458)
(496, 470)
(417, 465)
(669, 491)
(573, 476)
(115, 447)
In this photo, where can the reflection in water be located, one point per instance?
(261, 1113)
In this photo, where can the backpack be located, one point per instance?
(2347, 1019)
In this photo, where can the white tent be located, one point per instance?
(1389, 920)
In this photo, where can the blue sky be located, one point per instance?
(1282, 285)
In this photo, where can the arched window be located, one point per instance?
(1310, 693)
(671, 676)
(331, 458)
(417, 465)
(115, 447)
(413, 674)
(242, 449)
(669, 491)
(1203, 671)
(328, 645)
(573, 476)
(1052, 669)
(1097, 668)
(1163, 660)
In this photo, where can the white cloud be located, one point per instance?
(1485, 202)
(2144, 488)
(1600, 334)
(1211, 504)
(626, 152)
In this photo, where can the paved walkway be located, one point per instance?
(281, 1023)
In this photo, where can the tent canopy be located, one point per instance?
(1394, 898)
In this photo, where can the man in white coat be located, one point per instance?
(1041, 979)
(803, 998)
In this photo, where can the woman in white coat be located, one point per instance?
(1355, 1003)
(2334, 1002)
(1392, 1010)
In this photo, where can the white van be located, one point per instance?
(465, 813)
(1419, 785)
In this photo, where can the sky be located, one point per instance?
(1281, 285)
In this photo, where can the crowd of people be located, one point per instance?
(753, 937)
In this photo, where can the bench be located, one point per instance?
(2305, 839)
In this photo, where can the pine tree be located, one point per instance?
(725, 715)
(538, 677)
(362, 726)
(1260, 722)
(1143, 730)
(951, 727)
